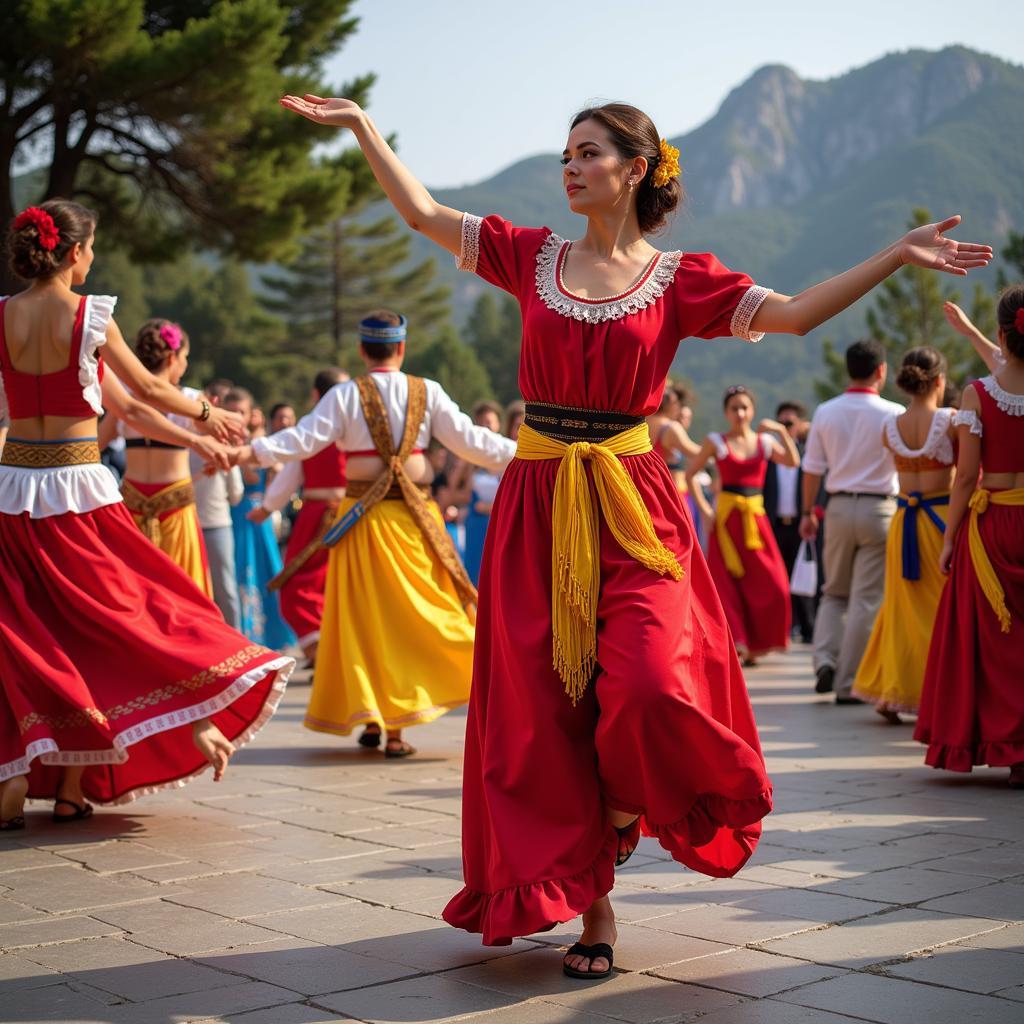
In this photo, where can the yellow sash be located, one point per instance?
(575, 554)
(750, 507)
(990, 585)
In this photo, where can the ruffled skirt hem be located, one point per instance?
(995, 754)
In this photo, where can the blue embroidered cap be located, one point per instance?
(372, 331)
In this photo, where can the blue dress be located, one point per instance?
(257, 561)
(485, 487)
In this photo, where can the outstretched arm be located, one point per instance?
(416, 206)
(784, 450)
(926, 246)
(988, 352)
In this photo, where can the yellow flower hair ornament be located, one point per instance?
(668, 165)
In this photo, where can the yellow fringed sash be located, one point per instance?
(750, 507)
(987, 578)
(575, 554)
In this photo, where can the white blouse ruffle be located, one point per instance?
(53, 492)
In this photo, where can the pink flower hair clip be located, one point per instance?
(170, 335)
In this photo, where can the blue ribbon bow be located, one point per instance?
(913, 503)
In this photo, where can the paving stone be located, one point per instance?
(342, 924)
(58, 929)
(889, 1001)
(748, 972)
(876, 939)
(1003, 901)
(291, 1013)
(995, 862)
(23, 858)
(1007, 937)
(72, 888)
(397, 887)
(322, 872)
(431, 998)
(244, 895)
(306, 968)
(766, 1011)
(907, 885)
(809, 905)
(539, 1012)
(68, 1003)
(18, 972)
(116, 856)
(731, 925)
(12, 912)
(964, 967)
(233, 999)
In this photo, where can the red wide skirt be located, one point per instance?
(302, 597)
(972, 704)
(108, 651)
(757, 605)
(665, 730)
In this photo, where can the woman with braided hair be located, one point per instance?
(600, 641)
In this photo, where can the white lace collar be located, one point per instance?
(652, 284)
(937, 445)
(1007, 401)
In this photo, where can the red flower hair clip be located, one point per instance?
(170, 335)
(46, 230)
(1018, 320)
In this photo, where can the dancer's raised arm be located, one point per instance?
(988, 352)
(414, 203)
(926, 246)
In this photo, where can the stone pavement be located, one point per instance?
(308, 887)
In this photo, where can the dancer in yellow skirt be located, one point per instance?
(396, 640)
(891, 672)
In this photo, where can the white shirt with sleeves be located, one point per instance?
(845, 443)
(338, 417)
(788, 504)
(287, 481)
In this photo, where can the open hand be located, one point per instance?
(928, 247)
(214, 454)
(341, 113)
(946, 557)
(226, 427)
(258, 514)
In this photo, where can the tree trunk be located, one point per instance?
(9, 281)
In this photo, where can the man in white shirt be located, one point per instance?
(861, 482)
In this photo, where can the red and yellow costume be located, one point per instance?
(107, 648)
(972, 704)
(663, 727)
(743, 556)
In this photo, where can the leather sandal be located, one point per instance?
(370, 738)
(598, 950)
(14, 824)
(626, 833)
(398, 748)
(82, 811)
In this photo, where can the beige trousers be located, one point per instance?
(856, 529)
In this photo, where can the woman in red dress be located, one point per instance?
(743, 556)
(972, 705)
(117, 676)
(614, 603)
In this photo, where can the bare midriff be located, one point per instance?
(156, 465)
(323, 493)
(1002, 481)
(927, 481)
(369, 467)
(53, 428)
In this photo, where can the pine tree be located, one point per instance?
(164, 117)
(494, 329)
(453, 364)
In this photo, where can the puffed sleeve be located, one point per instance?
(498, 251)
(714, 301)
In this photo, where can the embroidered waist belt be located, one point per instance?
(564, 423)
(295, 564)
(151, 507)
(749, 506)
(50, 454)
(575, 551)
(359, 488)
(990, 585)
(912, 504)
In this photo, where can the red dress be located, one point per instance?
(756, 604)
(665, 729)
(972, 704)
(302, 596)
(107, 648)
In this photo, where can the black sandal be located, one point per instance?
(14, 824)
(626, 832)
(82, 811)
(370, 739)
(600, 949)
(402, 749)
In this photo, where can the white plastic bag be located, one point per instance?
(804, 581)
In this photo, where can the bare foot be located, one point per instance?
(12, 798)
(598, 926)
(213, 745)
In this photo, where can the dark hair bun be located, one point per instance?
(920, 369)
(150, 346)
(26, 254)
(1010, 303)
(633, 134)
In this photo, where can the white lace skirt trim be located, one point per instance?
(48, 751)
(53, 492)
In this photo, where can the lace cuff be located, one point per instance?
(968, 418)
(744, 313)
(470, 250)
(98, 311)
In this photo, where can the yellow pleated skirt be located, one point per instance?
(396, 645)
(181, 539)
(891, 672)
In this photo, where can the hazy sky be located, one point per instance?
(470, 86)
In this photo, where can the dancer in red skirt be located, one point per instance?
(117, 675)
(743, 557)
(607, 697)
(322, 481)
(972, 706)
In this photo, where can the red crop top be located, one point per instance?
(48, 394)
(1002, 439)
(325, 469)
(737, 472)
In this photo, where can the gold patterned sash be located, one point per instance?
(295, 564)
(49, 454)
(173, 497)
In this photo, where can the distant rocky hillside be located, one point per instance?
(793, 180)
